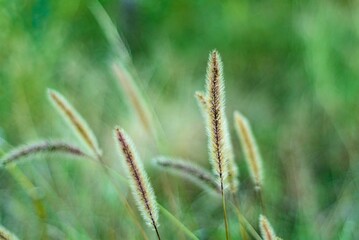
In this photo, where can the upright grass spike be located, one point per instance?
(75, 121)
(250, 148)
(189, 171)
(29, 150)
(231, 164)
(216, 124)
(6, 234)
(266, 229)
(140, 184)
(232, 168)
(215, 95)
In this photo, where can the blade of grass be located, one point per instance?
(177, 223)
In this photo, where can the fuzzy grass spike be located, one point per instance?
(140, 185)
(189, 171)
(266, 229)
(26, 151)
(250, 148)
(75, 121)
(216, 124)
(6, 234)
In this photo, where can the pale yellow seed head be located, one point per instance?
(266, 229)
(75, 121)
(142, 190)
(250, 148)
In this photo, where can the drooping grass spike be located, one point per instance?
(189, 171)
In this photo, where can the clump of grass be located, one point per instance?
(6, 234)
(43, 147)
(189, 171)
(266, 229)
(140, 185)
(75, 121)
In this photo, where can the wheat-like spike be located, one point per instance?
(250, 148)
(134, 97)
(231, 164)
(215, 96)
(75, 121)
(25, 151)
(266, 229)
(202, 103)
(189, 171)
(140, 184)
(6, 234)
(232, 168)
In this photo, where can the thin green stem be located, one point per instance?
(245, 223)
(260, 199)
(242, 230)
(177, 223)
(105, 168)
(30, 190)
(225, 212)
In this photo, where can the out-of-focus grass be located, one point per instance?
(290, 66)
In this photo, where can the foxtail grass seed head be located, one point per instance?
(190, 172)
(202, 103)
(134, 97)
(216, 133)
(75, 121)
(232, 169)
(266, 229)
(140, 185)
(34, 149)
(6, 234)
(250, 148)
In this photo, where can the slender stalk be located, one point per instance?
(245, 223)
(242, 229)
(177, 223)
(260, 199)
(225, 215)
(128, 207)
(37, 201)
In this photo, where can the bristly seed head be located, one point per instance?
(29, 150)
(215, 126)
(75, 121)
(266, 229)
(250, 148)
(189, 171)
(6, 234)
(140, 184)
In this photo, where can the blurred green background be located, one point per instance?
(292, 67)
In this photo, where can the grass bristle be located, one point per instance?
(266, 229)
(140, 185)
(34, 149)
(250, 148)
(6, 234)
(189, 171)
(75, 121)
